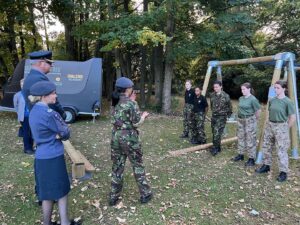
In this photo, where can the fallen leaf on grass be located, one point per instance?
(84, 188)
(25, 164)
(121, 221)
(120, 205)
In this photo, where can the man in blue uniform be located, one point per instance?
(41, 65)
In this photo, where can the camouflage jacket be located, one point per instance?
(126, 114)
(220, 104)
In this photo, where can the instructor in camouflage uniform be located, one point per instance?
(221, 109)
(200, 109)
(188, 109)
(281, 118)
(125, 142)
(248, 115)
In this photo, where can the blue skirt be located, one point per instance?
(51, 177)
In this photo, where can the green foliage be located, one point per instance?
(146, 36)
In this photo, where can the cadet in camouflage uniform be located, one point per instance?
(200, 109)
(221, 109)
(281, 118)
(248, 115)
(125, 143)
(188, 109)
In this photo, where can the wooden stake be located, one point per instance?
(293, 130)
(199, 147)
(276, 77)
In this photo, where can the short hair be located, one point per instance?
(218, 82)
(188, 81)
(282, 83)
(198, 86)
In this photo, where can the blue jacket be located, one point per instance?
(33, 77)
(48, 130)
(19, 105)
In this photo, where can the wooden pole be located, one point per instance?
(295, 154)
(276, 77)
(206, 81)
(246, 61)
(219, 73)
(293, 130)
(199, 147)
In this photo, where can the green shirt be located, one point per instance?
(248, 106)
(280, 109)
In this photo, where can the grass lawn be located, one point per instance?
(192, 189)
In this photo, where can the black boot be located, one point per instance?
(239, 157)
(146, 199)
(195, 142)
(29, 152)
(282, 177)
(113, 201)
(250, 162)
(214, 151)
(263, 169)
(73, 222)
(184, 135)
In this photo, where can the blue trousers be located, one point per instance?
(27, 138)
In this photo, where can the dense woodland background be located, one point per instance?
(158, 43)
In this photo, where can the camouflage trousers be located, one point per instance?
(125, 143)
(276, 134)
(198, 132)
(217, 126)
(187, 118)
(246, 133)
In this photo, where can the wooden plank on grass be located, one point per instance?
(199, 147)
(78, 169)
(88, 166)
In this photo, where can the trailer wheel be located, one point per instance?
(70, 115)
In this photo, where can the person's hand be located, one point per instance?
(145, 114)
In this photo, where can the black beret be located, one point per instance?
(42, 88)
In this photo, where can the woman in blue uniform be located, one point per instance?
(48, 130)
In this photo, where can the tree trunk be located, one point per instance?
(45, 28)
(22, 42)
(12, 45)
(116, 51)
(32, 24)
(150, 79)
(128, 63)
(143, 65)
(99, 43)
(143, 75)
(70, 42)
(169, 66)
(109, 76)
(158, 73)
(4, 68)
(86, 52)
